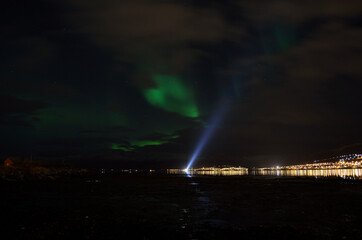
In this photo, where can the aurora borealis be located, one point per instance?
(135, 83)
(172, 95)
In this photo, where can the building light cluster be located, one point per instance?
(346, 157)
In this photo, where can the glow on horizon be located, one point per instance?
(206, 135)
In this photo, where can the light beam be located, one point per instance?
(206, 135)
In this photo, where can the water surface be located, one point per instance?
(355, 173)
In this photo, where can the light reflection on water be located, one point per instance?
(343, 173)
(219, 172)
(355, 173)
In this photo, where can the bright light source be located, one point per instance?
(205, 137)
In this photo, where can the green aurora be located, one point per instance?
(277, 40)
(172, 95)
(134, 144)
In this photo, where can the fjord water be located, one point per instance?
(160, 206)
(355, 173)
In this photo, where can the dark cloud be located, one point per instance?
(109, 130)
(156, 137)
(305, 72)
(76, 142)
(152, 34)
(290, 73)
(296, 12)
(15, 111)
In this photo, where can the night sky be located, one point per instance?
(136, 83)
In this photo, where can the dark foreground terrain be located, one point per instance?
(178, 207)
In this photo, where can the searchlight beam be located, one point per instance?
(206, 135)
